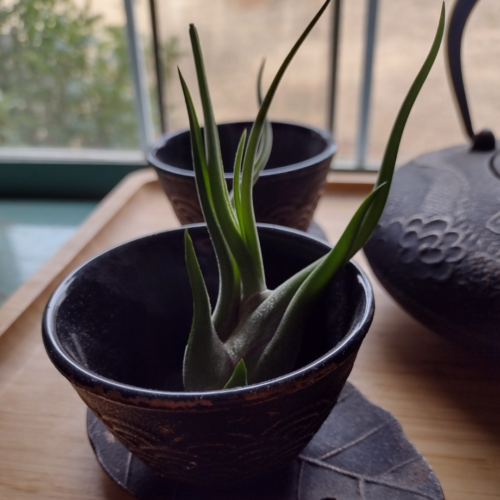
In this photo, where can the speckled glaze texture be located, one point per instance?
(117, 328)
(288, 189)
(437, 246)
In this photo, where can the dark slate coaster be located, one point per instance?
(360, 453)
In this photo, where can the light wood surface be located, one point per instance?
(447, 403)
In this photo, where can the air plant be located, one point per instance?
(254, 334)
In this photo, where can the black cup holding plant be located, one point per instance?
(288, 189)
(276, 318)
(117, 329)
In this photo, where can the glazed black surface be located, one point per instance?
(117, 328)
(437, 246)
(288, 189)
(359, 447)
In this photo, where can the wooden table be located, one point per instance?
(448, 404)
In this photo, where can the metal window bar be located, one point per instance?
(142, 104)
(366, 89)
(158, 66)
(334, 59)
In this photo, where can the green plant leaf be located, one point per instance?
(207, 363)
(266, 140)
(259, 322)
(237, 177)
(283, 348)
(260, 97)
(340, 253)
(212, 144)
(251, 236)
(391, 151)
(281, 352)
(239, 376)
(268, 331)
(228, 299)
(250, 269)
(265, 148)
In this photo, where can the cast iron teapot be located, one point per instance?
(437, 247)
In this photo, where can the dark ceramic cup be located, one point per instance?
(117, 327)
(288, 189)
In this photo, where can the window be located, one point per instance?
(78, 93)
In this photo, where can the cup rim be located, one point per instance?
(329, 151)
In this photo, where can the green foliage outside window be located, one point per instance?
(65, 77)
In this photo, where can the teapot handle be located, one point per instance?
(484, 140)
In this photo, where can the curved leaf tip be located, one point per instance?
(239, 378)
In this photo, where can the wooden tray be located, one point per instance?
(448, 404)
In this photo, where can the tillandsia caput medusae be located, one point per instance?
(254, 334)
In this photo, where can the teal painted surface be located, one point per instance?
(30, 232)
(61, 180)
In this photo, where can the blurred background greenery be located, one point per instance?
(65, 77)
